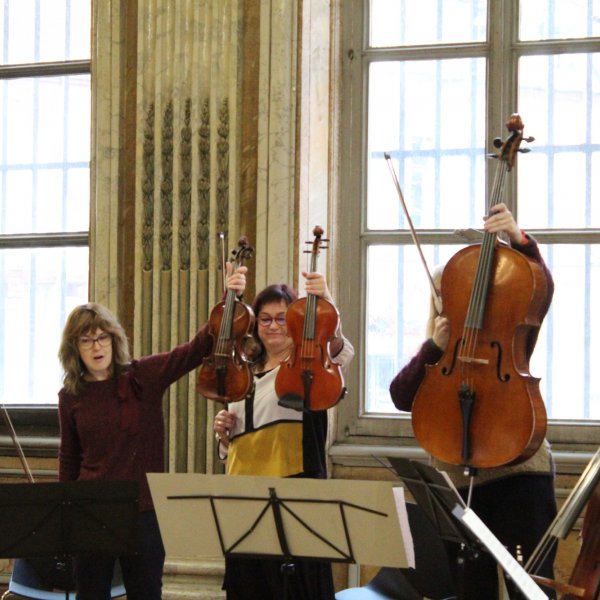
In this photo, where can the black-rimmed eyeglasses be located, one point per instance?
(104, 339)
(266, 320)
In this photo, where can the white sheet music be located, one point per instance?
(521, 578)
(407, 539)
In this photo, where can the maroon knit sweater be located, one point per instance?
(114, 429)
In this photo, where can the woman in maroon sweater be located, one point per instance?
(111, 428)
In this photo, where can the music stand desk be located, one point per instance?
(281, 518)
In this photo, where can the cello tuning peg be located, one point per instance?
(497, 142)
(492, 155)
(524, 150)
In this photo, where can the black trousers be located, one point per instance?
(142, 572)
(518, 510)
(250, 579)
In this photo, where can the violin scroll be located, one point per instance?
(244, 251)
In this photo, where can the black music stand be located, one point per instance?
(434, 495)
(455, 522)
(62, 520)
(285, 519)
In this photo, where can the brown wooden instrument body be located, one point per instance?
(225, 375)
(508, 417)
(310, 379)
(586, 572)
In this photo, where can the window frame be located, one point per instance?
(37, 425)
(354, 426)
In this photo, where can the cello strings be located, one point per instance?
(481, 283)
(476, 309)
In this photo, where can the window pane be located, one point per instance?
(44, 31)
(416, 22)
(396, 315)
(41, 286)
(44, 161)
(551, 20)
(434, 138)
(563, 357)
(559, 97)
(396, 279)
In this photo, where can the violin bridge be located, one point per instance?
(472, 359)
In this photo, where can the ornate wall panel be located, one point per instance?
(196, 132)
(187, 74)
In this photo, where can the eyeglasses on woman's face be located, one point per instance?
(265, 320)
(87, 342)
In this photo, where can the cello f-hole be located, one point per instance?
(503, 378)
(447, 371)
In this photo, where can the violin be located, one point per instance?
(310, 379)
(479, 406)
(225, 374)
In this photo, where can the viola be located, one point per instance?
(310, 379)
(225, 374)
(479, 406)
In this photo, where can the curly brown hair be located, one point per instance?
(85, 320)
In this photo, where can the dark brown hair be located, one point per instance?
(272, 293)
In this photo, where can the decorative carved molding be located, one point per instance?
(203, 185)
(185, 188)
(148, 189)
(166, 189)
(223, 169)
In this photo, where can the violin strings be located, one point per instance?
(226, 324)
(309, 327)
(310, 316)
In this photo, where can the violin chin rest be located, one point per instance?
(292, 401)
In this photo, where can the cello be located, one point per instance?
(225, 374)
(310, 379)
(479, 406)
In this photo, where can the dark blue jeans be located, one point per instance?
(142, 572)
